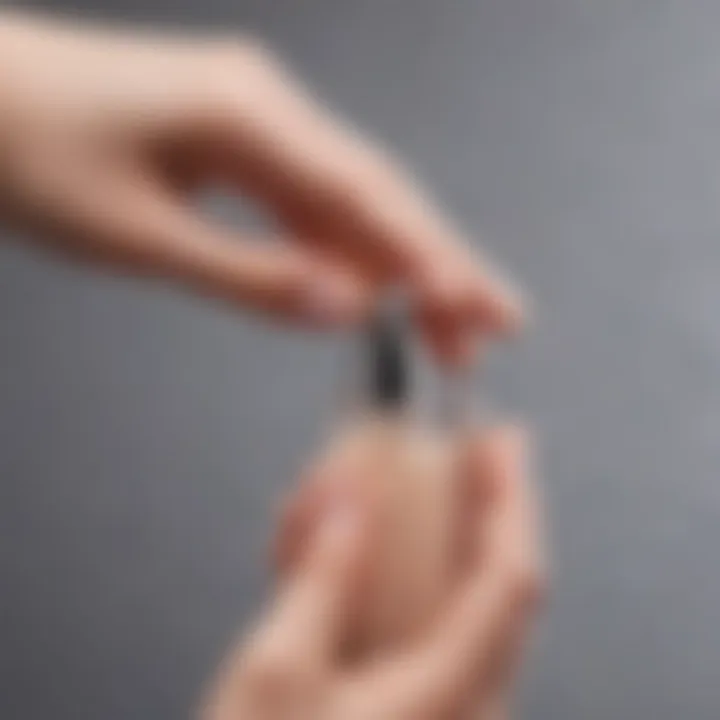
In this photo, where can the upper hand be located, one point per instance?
(106, 135)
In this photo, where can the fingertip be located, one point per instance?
(492, 300)
(458, 308)
(474, 293)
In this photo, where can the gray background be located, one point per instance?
(144, 435)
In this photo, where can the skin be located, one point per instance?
(406, 474)
(107, 137)
(460, 666)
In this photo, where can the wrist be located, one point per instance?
(13, 34)
(17, 36)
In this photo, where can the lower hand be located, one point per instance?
(291, 667)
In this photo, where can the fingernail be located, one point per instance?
(329, 300)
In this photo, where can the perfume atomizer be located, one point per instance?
(392, 377)
(389, 371)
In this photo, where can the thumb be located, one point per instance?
(307, 622)
(270, 277)
(136, 227)
(294, 642)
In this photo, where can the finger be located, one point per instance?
(459, 298)
(305, 626)
(348, 194)
(479, 622)
(290, 646)
(489, 613)
(382, 225)
(134, 226)
(495, 683)
(478, 488)
(279, 280)
(494, 690)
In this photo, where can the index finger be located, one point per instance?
(346, 195)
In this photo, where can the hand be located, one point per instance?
(106, 135)
(292, 668)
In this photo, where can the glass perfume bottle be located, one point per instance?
(401, 463)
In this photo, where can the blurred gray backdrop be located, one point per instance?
(144, 435)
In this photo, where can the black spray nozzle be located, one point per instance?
(388, 361)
